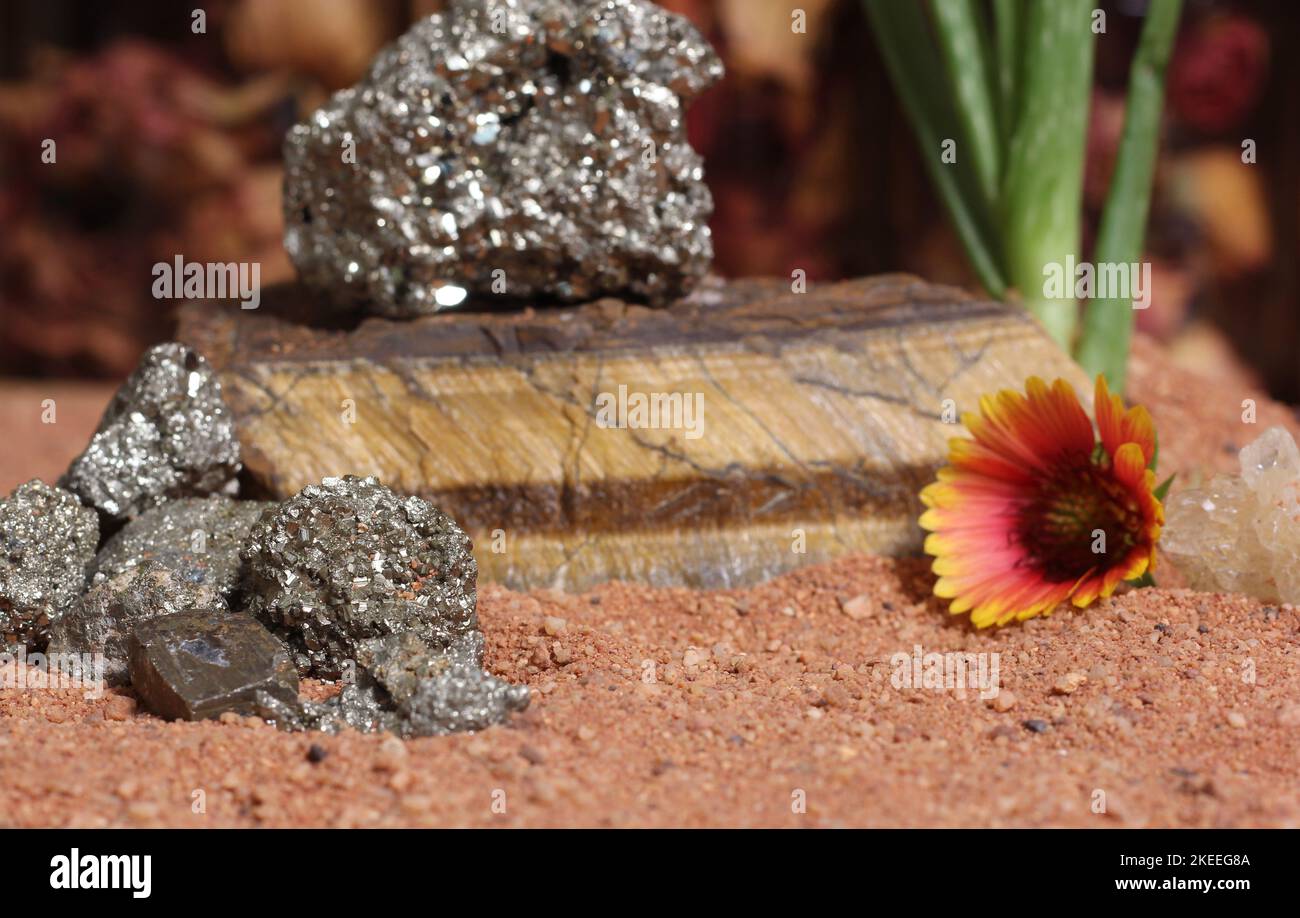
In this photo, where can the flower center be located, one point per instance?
(1079, 519)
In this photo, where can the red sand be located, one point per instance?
(762, 699)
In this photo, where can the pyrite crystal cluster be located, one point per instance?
(381, 591)
(103, 619)
(531, 147)
(348, 560)
(1241, 533)
(167, 433)
(344, 580)
(209, 605)
(47, 541)
(197, 538)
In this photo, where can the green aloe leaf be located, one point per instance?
(968, 56)
(1108, 322)
(1043, 186)
(909, 52)
(1007, 22)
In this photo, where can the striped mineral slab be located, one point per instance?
(787, 428)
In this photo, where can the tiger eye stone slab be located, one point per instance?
(820, 416)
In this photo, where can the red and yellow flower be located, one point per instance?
(1035, 510)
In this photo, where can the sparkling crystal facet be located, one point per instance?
(1241, 533)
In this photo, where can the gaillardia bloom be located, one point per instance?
(1034, 510)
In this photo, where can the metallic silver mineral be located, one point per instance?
(380, 590)
(47, 540)
(348, 560)
(463, 697)
(102, 620)
(403, 687)
(440, 693)
(201, 663)
(197, 538)
(525, 147)
(167, 433)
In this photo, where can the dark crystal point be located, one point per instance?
(197, 665)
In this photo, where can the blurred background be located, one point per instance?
(169, 141)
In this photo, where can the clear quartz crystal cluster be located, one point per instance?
(1241, 533)
(524, 147)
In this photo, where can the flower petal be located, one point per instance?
(1006, 517)
(1118, 426)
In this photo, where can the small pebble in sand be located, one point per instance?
(554, 625)
(392, 752)
(1004, 701)
(857, 607)
(118, 707)
(1289, 715)
(1069, 683)
(1236, 719)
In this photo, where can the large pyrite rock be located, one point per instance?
(167, 433)
(348, 560)
(196, 538)
(47, 540)
(531, 148)
(102, 619)
(201, 663)
(823, 414)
